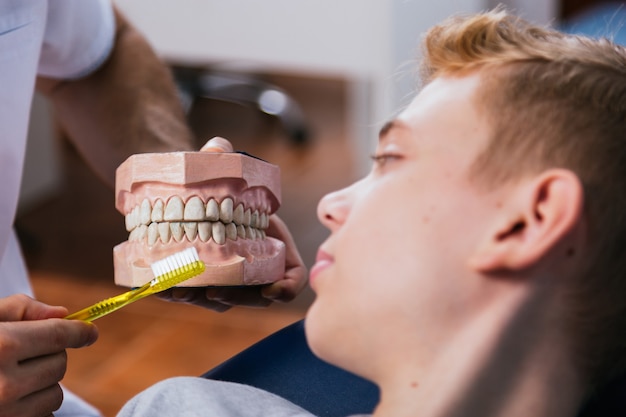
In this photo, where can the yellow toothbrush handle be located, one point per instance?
(110, 305)
(168, 272)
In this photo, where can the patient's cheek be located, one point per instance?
(219, 203)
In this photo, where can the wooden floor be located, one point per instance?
(68, 243)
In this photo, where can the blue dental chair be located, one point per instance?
(283, 364)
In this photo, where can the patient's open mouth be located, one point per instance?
(220, 203)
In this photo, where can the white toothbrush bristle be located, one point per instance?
(175, 261)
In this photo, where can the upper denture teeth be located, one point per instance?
(178, 220)
(174, 209)
(194, 209)
(254, 219)
(246, 217)
(238, 214)
(212, 210)
(157, 211)
(145, 212)
(132, 219)
(226, 210)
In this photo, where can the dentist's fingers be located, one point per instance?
(21, 307)
(217, 144)
(295, 277)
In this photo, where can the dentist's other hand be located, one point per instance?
(223, 298)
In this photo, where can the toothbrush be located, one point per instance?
(168, 272)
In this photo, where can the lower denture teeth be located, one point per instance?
(142, 231)
(177, 231)
(191, 230)
(241, 231)
(153, 234)
(204, 231)
(231, 231)
(218, 232)
(164, 232)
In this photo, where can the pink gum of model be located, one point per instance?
(164, 198)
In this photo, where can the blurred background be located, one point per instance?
(305, 85)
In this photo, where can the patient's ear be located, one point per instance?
(539, 214)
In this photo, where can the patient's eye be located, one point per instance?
(383, 158)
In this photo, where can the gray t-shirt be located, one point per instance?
(198, 397)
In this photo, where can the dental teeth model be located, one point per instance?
(219, 203)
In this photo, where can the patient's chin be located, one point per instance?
(218, 203)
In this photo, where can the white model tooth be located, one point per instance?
(142, 231)
(238, 214)
(177, 231)
(231, 231)
(134, 217)
(249, 232)
(174, 209)
(265, 221)
(204, 231)
(241, 231)
(131, 235)
(254, 219)
(153, 234)
(191, 230)
(262, 234)
(164, 232)
(212, 210)
(226, 210)
(194, 209)
(145, 211)
(157, 211)
(127, 222)
(246, 217)
(218, 232)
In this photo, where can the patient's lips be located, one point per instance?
(219, 203)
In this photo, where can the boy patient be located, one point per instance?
(479, 268)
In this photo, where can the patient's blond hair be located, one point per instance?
(555, 100)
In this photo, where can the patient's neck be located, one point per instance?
(507, 361)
